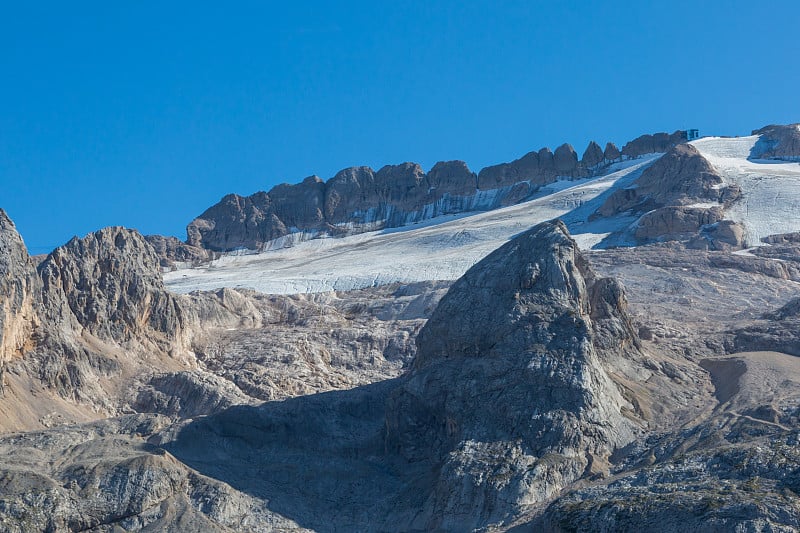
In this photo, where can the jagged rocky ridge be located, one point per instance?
(19, 287)
(93, 332)
(361, 199)
(689, 463)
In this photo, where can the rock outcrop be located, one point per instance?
(780, 142)
(778, 330)
(20, 295)
(171, 250)
(680, 177)
(510, 389)
(452, 177)
(537, 168)
(593, 155)
(612, 153)
(236, 222)
(107, 477)
(111, 282)
(350, 190)
(681, 196)
(651, 144)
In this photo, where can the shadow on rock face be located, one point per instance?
(319, 460)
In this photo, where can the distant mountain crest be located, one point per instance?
(360, 199)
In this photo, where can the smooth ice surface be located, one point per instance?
(438, 249)
(770, 201)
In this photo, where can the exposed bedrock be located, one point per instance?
(510, 389)
(171, 250)
(681, 177)
(777, 142)
(361, 199)
(110, 282)
(655, 143)
(680, 197)
(20, 295)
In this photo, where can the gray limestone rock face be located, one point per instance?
(675, 223)
(777, 142)
(611, 153)
(20, 290)
(401, 185)
(565, 159)
(724, 235)
(530, 167)
(111, 283)
(301, 205)
(593, 155)
(655, 143)
(236, 221)
(452, 177)
(680, 197)
(680, 177)
(108, 477)
(509, 389)
(171, 250)
(350, 190)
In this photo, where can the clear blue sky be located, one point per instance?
(144, 114)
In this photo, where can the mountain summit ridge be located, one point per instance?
(360, 199)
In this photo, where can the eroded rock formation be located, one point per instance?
(361, 199)
(509, 388)
(20, 295)
(679, 197)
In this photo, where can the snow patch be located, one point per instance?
(770, 201)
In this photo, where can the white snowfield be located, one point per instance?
(438, 249)
(770, 200)
(444, 248)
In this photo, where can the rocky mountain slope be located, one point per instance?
(95, 333)
(490, 372)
